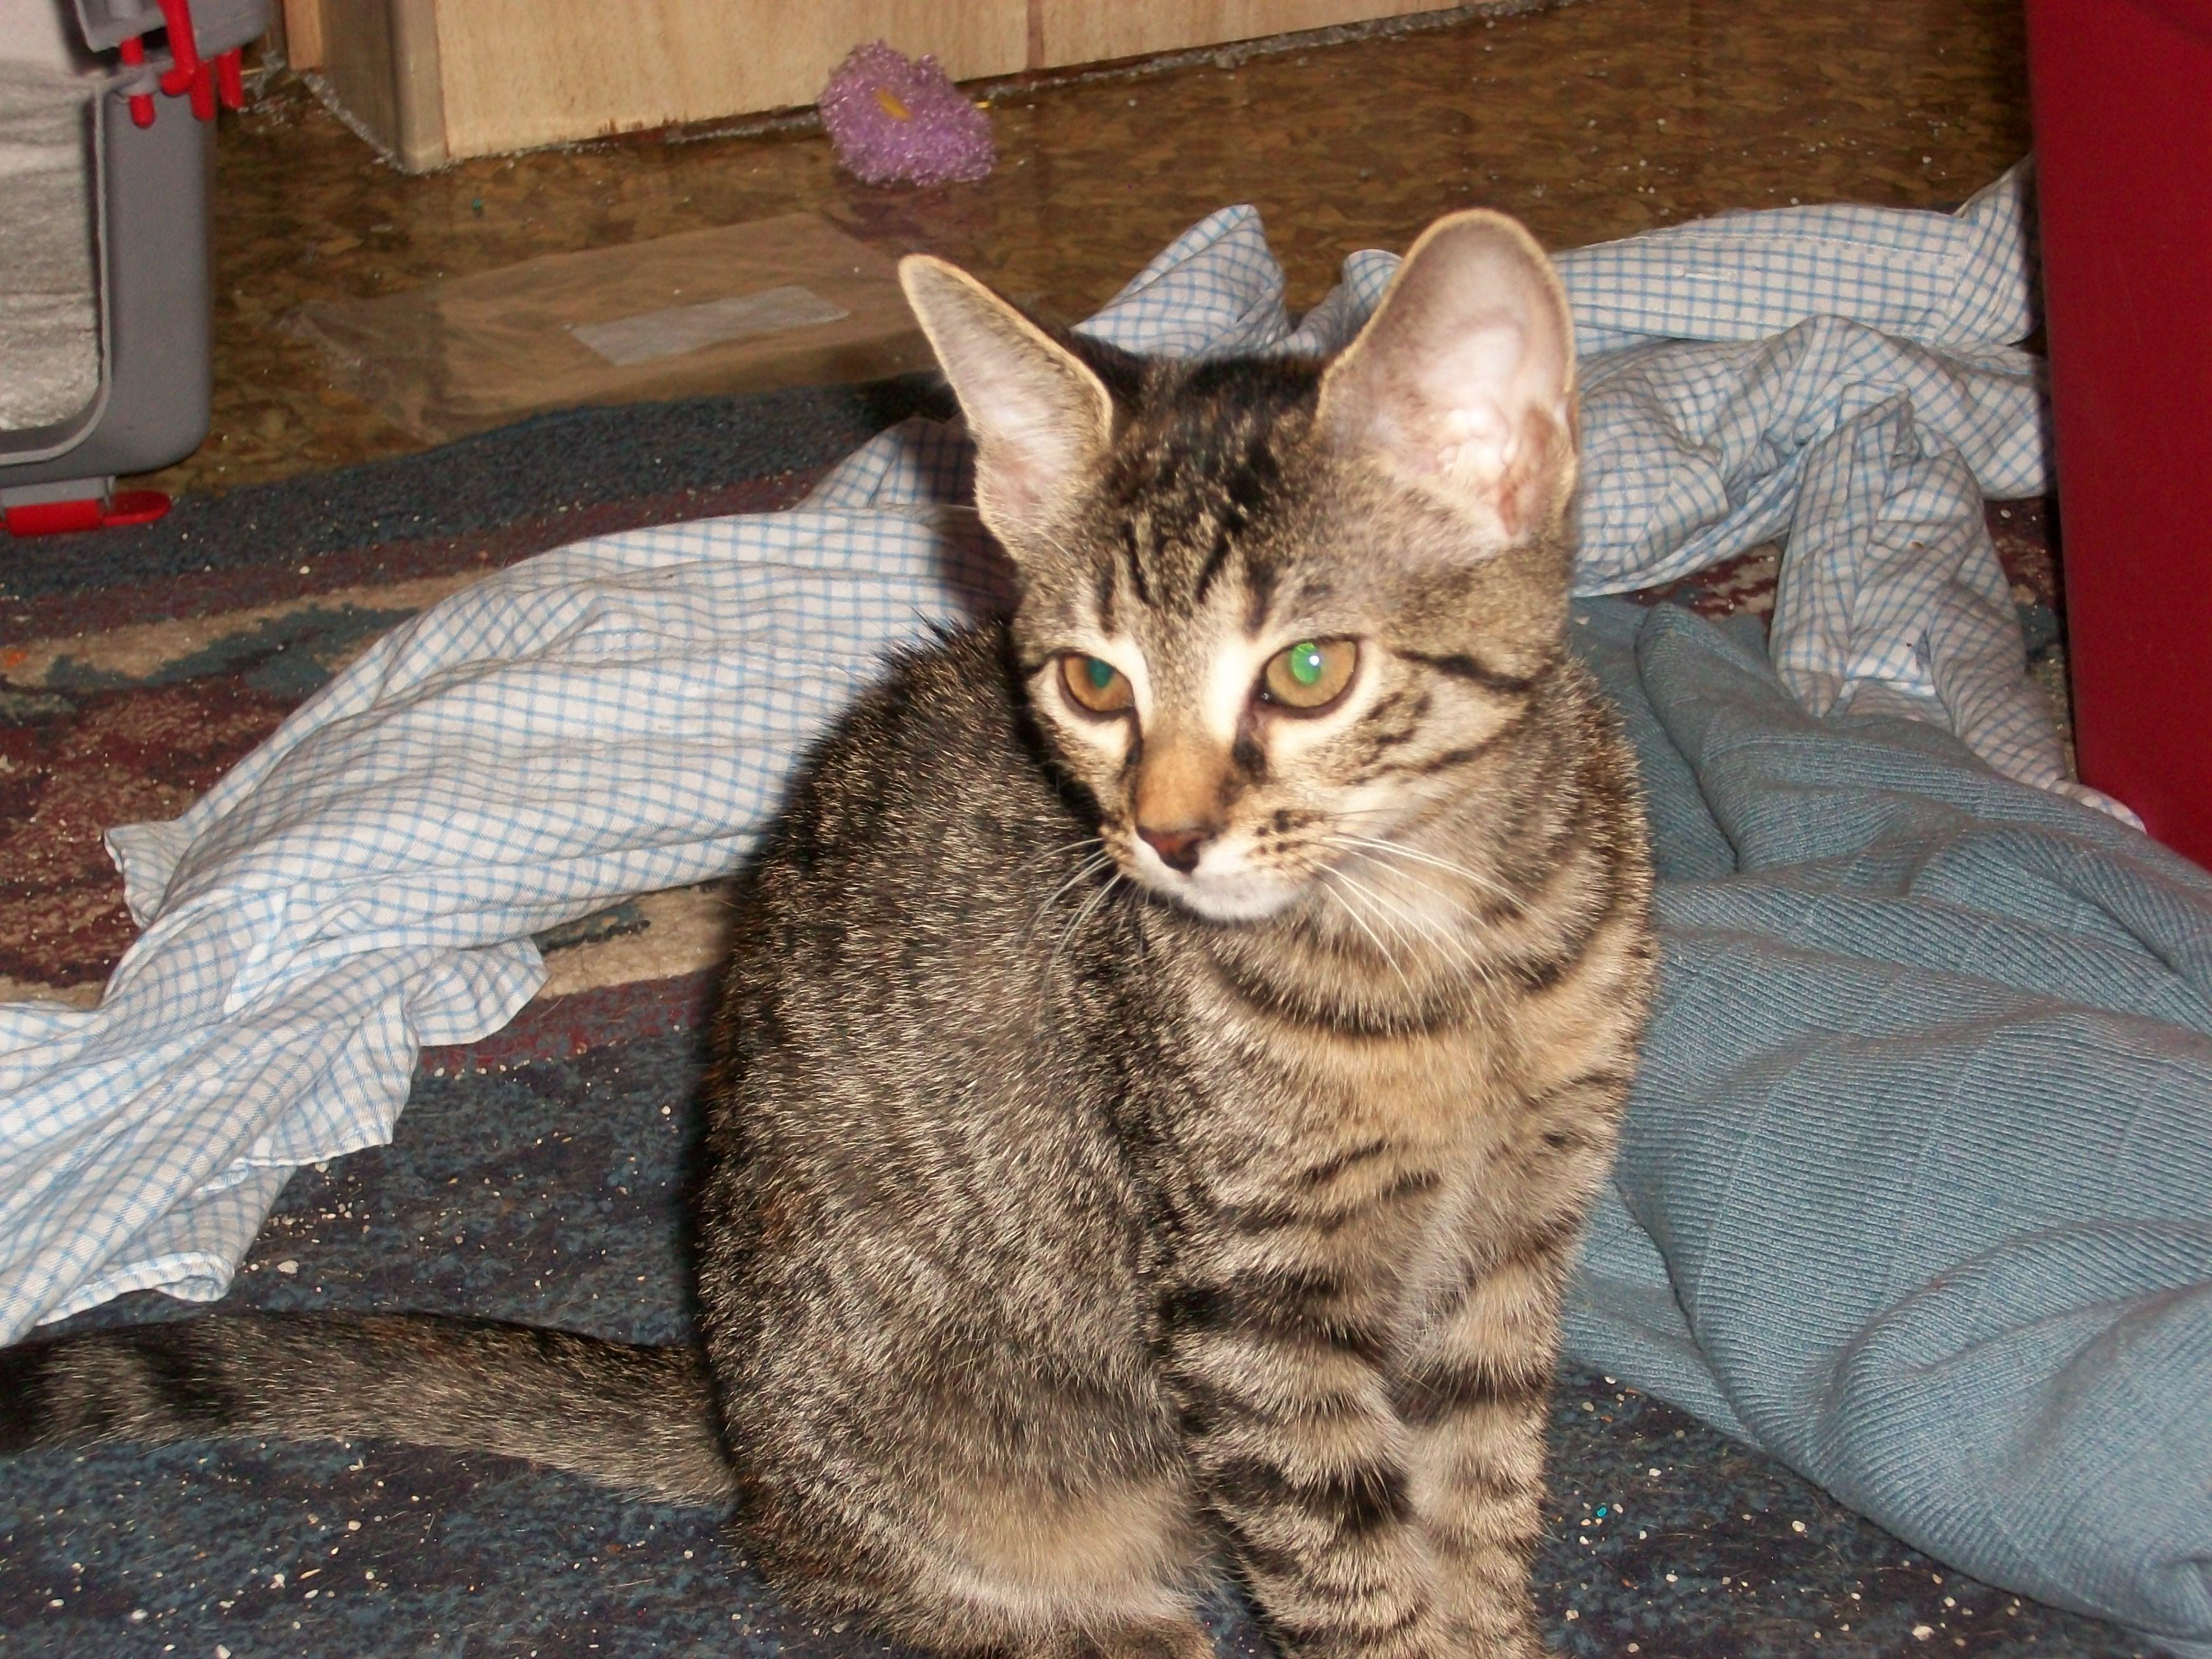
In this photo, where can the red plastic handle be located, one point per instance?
(141, 104)
(183, 48)
(230, 80)
(125, 507)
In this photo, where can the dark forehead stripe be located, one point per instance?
(1216, 555)
(1133, 557)
(1198, 468)
(1259, 584)
(1245, 489)
(1461, 666)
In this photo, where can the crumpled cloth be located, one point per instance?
(624, 714)
(1915, 1188)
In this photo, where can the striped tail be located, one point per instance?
(638, 1418)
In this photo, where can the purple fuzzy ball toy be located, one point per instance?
(895, 120)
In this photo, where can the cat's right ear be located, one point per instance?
(1462, 384)
(1041, 419)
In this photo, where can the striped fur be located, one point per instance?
(1144, 1139)
(637, 1419)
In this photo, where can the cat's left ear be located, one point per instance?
(1041, 419)
(1462, 383)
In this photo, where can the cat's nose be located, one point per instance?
(1178, 849)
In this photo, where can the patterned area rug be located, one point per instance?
(538, 1175)
(136, 666)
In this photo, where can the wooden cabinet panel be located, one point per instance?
(303, 33)
(434, 81)
(517, 73)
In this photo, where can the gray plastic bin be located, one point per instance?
(150, 185)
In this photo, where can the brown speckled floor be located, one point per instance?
(1591, 120)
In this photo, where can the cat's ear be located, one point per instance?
(1039, 416)
(1462, 382)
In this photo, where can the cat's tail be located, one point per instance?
(638, 1418)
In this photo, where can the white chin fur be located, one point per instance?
(1237, 896)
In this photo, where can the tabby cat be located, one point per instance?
(1177, 1033)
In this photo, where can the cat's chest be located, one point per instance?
(1429, 1089)
(1306, 1115)
(1430, 1102)
(1373, 1164)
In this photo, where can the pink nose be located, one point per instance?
(1178, 849)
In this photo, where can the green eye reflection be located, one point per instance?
(1309, 676)
(1095, 684)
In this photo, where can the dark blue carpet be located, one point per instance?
(551, 1193)
(492, 499)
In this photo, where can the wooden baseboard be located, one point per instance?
(1084, 31)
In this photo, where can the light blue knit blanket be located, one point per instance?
(1916, 1189)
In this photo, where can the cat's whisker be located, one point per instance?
(1474, 878)
(1083, 914)
(1059, 850)
(1403, 918)
(1409, 946)
(1360, 923)
(1400, 850)
(1355, 884)
(1091, 866)
(1374, 903)
(1423, 931)
(1454, 949)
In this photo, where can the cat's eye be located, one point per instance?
(1096, 684)
(1309, 676)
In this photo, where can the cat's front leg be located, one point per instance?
(1474, 1396)
(1287, 1418)
(1473, 1385)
